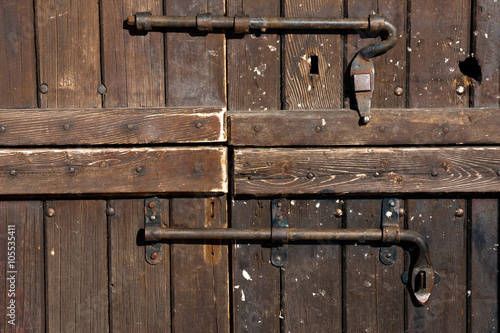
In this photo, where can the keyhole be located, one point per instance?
(314, 65)
(420, 281)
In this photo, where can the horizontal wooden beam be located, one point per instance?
(113, 171)
(386, 128)
(44, 127)
(279, 171)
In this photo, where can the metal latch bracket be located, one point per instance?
(390, 230)
(279, 239)
(152, 218)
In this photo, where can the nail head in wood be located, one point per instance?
(338, 212)
(110, 211)
(44, 89)
(460, 90)
(51, 212)
(398, 91)
(459, 212)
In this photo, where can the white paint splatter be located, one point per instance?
(323, 122)
(272, 48)
(52, 252)
(242, 295)
(246, 275)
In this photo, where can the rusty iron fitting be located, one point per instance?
(376, 24)
(142, 21)
(279, 235)
(204, 22)
(391, 235)
(241, 24)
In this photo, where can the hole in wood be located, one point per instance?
(314, 65)
(470, 67)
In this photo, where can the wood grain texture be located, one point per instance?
(67, 35)
(487, 50)
(256, 283)
(76, 266)
(26, 271)
(374, 293)
(113, 126)
(390, 68)
(302, 89)
(436, 45)
(18, 65)
(113, 171)
(359, 170)
(445, 233)
(196, 63)
(387, 127)
(200, 281)
(253, 61)
(484, 265)
(139, 294)
(311, 279)
(133, 63)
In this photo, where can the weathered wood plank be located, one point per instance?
(484, 265)
(487, 51)
(113, 171)
(256, 283)
(436, 46)
(139, 294)
(445, 232)
(387, 127)
(374, 293)
(196, 63)
(312, 63)
(112, 126)
(359, 170)
(200, 281)
(311, 279)
(76, 266)
(133, 64)
(253, 61)
(67, 34)
(18, 65)
(22, 266)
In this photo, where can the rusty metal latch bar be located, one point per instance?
(362, 69)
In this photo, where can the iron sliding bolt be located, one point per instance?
(362, 69)
(422, 273)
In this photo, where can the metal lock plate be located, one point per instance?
(279, 251)
(152, 218)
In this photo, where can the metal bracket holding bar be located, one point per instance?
(390, 228)
(279, 241)
(362, 69)
(152, 219)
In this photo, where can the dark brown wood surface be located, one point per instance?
(139, 293)
(120, 170)
(76, 262)
(387, 127)
(114, 126)
(361, 170)
(484, 265)
(21, 239)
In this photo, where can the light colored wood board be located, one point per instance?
(18, 65)
(76, 266)
(366, 170)
(112, 126)
(133, 63)
(113, 171)
(301, 88)
(139, 292)
(387, 127)
(67, 34)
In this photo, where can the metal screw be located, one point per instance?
(498, 173)
(280, 204)
(51, 212)
(446, 129)
(278, 258)
(154, 255)
(152, 205)
(2, 129)
(376, 174)
(381, 129)
(130, 126)
(434, 173)
(392, 203)
(460, 90)
(388, 255)
(310, 175)
(66, 127)
(459, 212)
(110, 211)
(338, 212)
(318, 129)
(13, 173)
(257, 128)
(102, 89)
(138, 169)
(152, 217)
(398, 91)
(198, 125)
(44, 88)
(72, 170)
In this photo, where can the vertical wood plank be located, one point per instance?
(133, 64)
(390, 68)
(68, 52)
(253, 61)
(200, 281)
(486, 39)
(196, 65)
(76, 266)
(436, 46)
(445, 233)
(484, 265)
(374, 293)
(139, 292)
(311, 278)
(26, 271)
(18, 65)
(305, 85)
(256, 282)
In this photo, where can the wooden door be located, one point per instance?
(96, 118)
